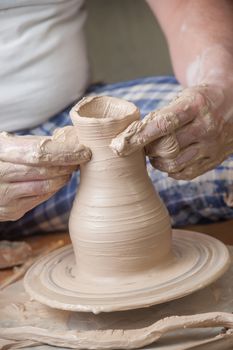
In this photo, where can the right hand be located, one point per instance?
(33, 168)
(187, 138)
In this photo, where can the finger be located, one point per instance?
(153, 126)
(19, 207)
(196, 169)
(189, 134)
(11, 191)
(60, 149)
(185, 158)
(10, 172)
(200, 129)
(165, 147)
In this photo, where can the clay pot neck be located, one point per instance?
(101, 118)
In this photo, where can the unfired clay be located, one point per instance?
(23, 320)
(20, 271)
(13, 253)
(121, 232)
(117, 220)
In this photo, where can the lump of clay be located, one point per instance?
(13, 253)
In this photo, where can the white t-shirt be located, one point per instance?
(43, 60)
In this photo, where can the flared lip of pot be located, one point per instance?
(79, 113)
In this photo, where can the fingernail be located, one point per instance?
(84, 155)
(80, 155)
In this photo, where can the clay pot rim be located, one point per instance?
(89, 117)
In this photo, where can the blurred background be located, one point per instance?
(125, 41)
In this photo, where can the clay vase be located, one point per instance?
(118, 225)
(122, 255)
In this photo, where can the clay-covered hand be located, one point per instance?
(190, 136)
(33, 168)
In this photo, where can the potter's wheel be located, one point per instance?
(197, 261)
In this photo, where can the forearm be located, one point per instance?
(200, 39)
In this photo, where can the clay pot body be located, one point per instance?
(118, 224)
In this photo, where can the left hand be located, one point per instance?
(190, 136)
(34, 167)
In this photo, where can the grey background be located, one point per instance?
(124, 41)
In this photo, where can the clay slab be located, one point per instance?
(197, 261)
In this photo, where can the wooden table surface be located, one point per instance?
(223, 231)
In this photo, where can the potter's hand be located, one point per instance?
(33, 168)
(188, 137)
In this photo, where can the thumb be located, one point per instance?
(155, 125)
(62, 148)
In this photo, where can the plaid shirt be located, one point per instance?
(201, 200)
